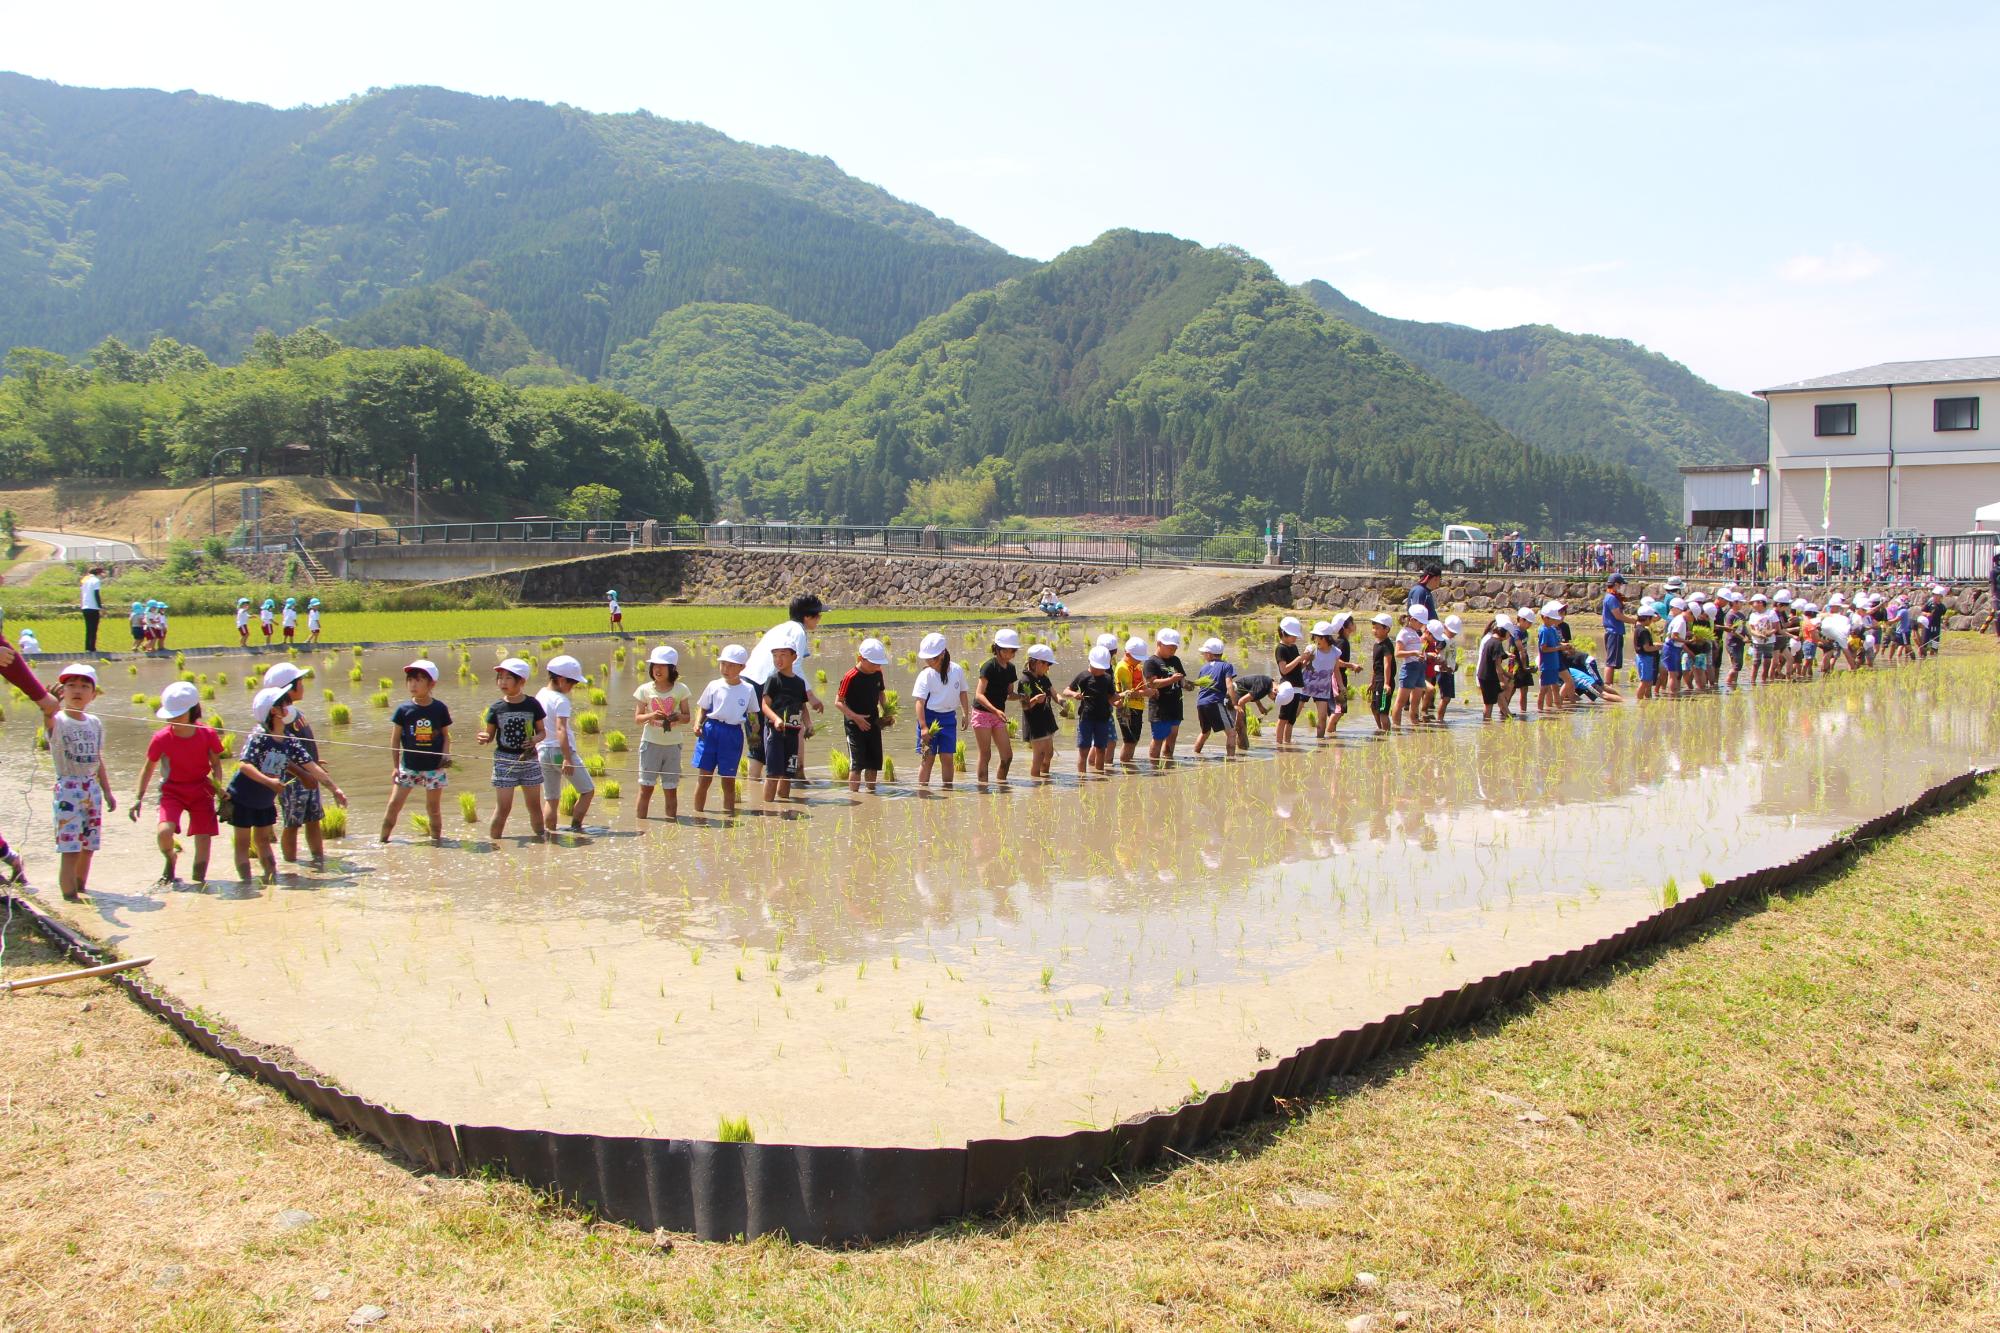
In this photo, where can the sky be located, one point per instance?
(1761, 191)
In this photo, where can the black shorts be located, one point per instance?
(1131, 725)
(1290, 712)
(781, 752)
(1447, 684)
(1214, 717)
(1614, 649)
(1489, 690)
(252, 816)
(864, 748)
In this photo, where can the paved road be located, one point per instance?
(1168, 590)
(78, 546)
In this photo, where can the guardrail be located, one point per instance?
(1960, 558)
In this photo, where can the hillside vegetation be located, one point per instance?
(1143, 374)
(1576, 393)
(134, 213)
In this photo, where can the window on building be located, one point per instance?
(1956, 413)
(1833, 419)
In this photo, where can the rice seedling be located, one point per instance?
(736, 1130)
(250, 683)
(588, 723)
(1670, 893)
(594, 765)
(615, 742)
(917, 1011)
(379, 699)
(333, 823)
(354, 676)
(384, 683)
(132, 668)
(567, 803)
(888, 768)
(421, 823)
(1048, 975)
(468, 805)
(610, 788)
(153, 701)
(837, 763)
(327, 693)
(139, 698)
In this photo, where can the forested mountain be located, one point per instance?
(447, 319)
(304, 404)
(1576, 393)
(719, 369)
(136, 213)
(1145, 375)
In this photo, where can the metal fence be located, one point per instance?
(1820, 560)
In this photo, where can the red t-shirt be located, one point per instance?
(186, 759)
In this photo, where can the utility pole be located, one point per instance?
(415, 516)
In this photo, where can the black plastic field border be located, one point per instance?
(831, 1195)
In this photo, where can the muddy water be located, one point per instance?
(910, 969)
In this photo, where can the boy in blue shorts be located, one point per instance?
(1165, 680)
(718, 727)
(1549, 668)
(1094, 690)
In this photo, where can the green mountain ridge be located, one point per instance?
(1576, 392)
(134, 213)
(1146, 375)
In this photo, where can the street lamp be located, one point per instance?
(217, 458)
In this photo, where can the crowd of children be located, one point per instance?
(756, 714)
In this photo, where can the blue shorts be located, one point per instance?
(1649, 667)
(946, 740)
(1551, 675)
(1676, 659)
(781, 752)
(1410, 675)
(1162, 730)
(719, 748)
(1614, 648)
(1094, 733)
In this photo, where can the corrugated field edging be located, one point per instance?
(832, 1195)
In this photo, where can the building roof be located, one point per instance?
(1689, 469)
(1948, 371)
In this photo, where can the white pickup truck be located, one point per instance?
(1462, 548)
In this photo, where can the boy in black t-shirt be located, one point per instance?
(783, 708)
(1167, 679)
(1094, 690)
(1291, 671)
(1382, 671)
(860, 702)
(514, 728)
(1038, 710)
(420, 749)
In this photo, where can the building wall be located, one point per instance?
(1860, 502)
(1941, 498)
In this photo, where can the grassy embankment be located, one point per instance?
(1787, 1120)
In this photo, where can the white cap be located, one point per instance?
(425, 665)
(665, 656)
(565, 666)
(1286, 693)
(1679, 604)
(1041, 652)
(1419, 613)
(1134, 647)
(267, 698)
(1341, 620)
(1322, 629)
(1503, 620)
(176, 699)
(1109, 642)
(1525, 613)
(1647, 611)
(1838, 600)
(1938, 588)
(1291, 625)
(1215, 646)
(1170, 637)
(283, 675)
(1384, 619)
(1437, 630)
(1007, 638)
(514, 666)
(1554, 610)
(932, 646)
(81, 670)
(735, 655)
(1784, 597)
(1100, 659)
(1758, 597)
(1453, 624)
(871, 651)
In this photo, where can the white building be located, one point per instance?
(1903, 446)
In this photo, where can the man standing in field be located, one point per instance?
(1422, 592)
(796, 634)
(91, 599)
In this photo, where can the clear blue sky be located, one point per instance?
(1761, 191)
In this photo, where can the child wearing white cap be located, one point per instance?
(419, 748)
(268, 755)
(1447, 655)
(1252, 692)
(1321, 678)
(940, 692)
(1674, 657)
(192, 755)
(1646, 647)
(1410, 680)
(1166, 681)
(1094, 690)
(1291, 664)
(1548, 644)
(719, 714)
(299, 803)
(1038, 710)
(515, 727)
(83, 788)
(557, 751)
(998, 681)
(782, 706)
(859, 699)
(1215, 698)
(662, 713)
(1490, 666)
(1128, 676)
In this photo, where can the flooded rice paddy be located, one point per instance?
(919, 970)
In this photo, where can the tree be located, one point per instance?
(593, 502)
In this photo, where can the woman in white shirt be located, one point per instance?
(940, 692)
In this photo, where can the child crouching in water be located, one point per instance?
(192, 754)
(718, 728)
(663, 706)
(419, 749)
(1215, 702)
